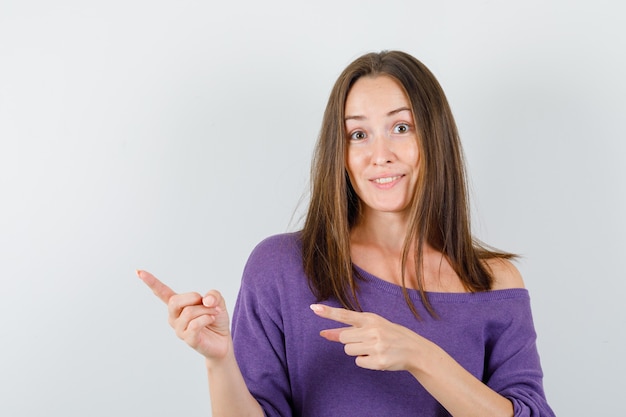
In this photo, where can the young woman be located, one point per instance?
(384, 276)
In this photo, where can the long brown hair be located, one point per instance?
(439, 214)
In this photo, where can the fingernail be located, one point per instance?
(138, 272)
(317, 308)
(208, 301)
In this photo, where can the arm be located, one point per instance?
(455, 388)
(513, 367)
(259, 343)
(512, 379)
(381, 345)
(228, 390)
(203, 323)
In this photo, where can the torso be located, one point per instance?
(288, 365)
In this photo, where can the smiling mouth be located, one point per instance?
(386, 180)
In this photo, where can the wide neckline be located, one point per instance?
(464, 297)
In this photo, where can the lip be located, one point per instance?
(386, 181)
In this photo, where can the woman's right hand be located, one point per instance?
(202, 322)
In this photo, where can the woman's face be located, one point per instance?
(382, 151)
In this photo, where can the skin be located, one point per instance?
(203, 323)
(383, 160)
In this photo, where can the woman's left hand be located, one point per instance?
(376, 343)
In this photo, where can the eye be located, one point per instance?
(358, 135)
(401, 128)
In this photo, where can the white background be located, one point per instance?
(174, 135)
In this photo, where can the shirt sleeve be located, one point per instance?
(513, 368)
(258, 335)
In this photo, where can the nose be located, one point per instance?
(382, 151)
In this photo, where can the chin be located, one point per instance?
(389, 208)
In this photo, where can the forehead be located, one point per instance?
(378, 93)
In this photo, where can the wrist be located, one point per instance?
(216, 362)
(426, 360)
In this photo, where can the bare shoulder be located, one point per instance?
(505, 274)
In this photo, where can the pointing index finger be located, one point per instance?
(341, 315)
(160, 290)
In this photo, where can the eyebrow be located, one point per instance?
(391, 113)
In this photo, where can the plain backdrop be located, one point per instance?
(175, 135)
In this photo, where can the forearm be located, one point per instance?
(229, 394)
(462, 394)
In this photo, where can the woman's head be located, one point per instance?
(440, 189)
(382, 156)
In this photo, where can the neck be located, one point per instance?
(385, 230)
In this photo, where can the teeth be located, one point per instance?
(385, 180)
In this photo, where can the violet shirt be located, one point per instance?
(292, 371)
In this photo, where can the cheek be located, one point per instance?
(353, 163)
(415, 155)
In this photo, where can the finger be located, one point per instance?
(341, 315)
(213, 298)
(356, 349)
(178, 302)
(333, 334)
(193, 313)
(188, 315)
(369, 362)
(160, 290)
(346, 335)
(193, 333)
(200, 323)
